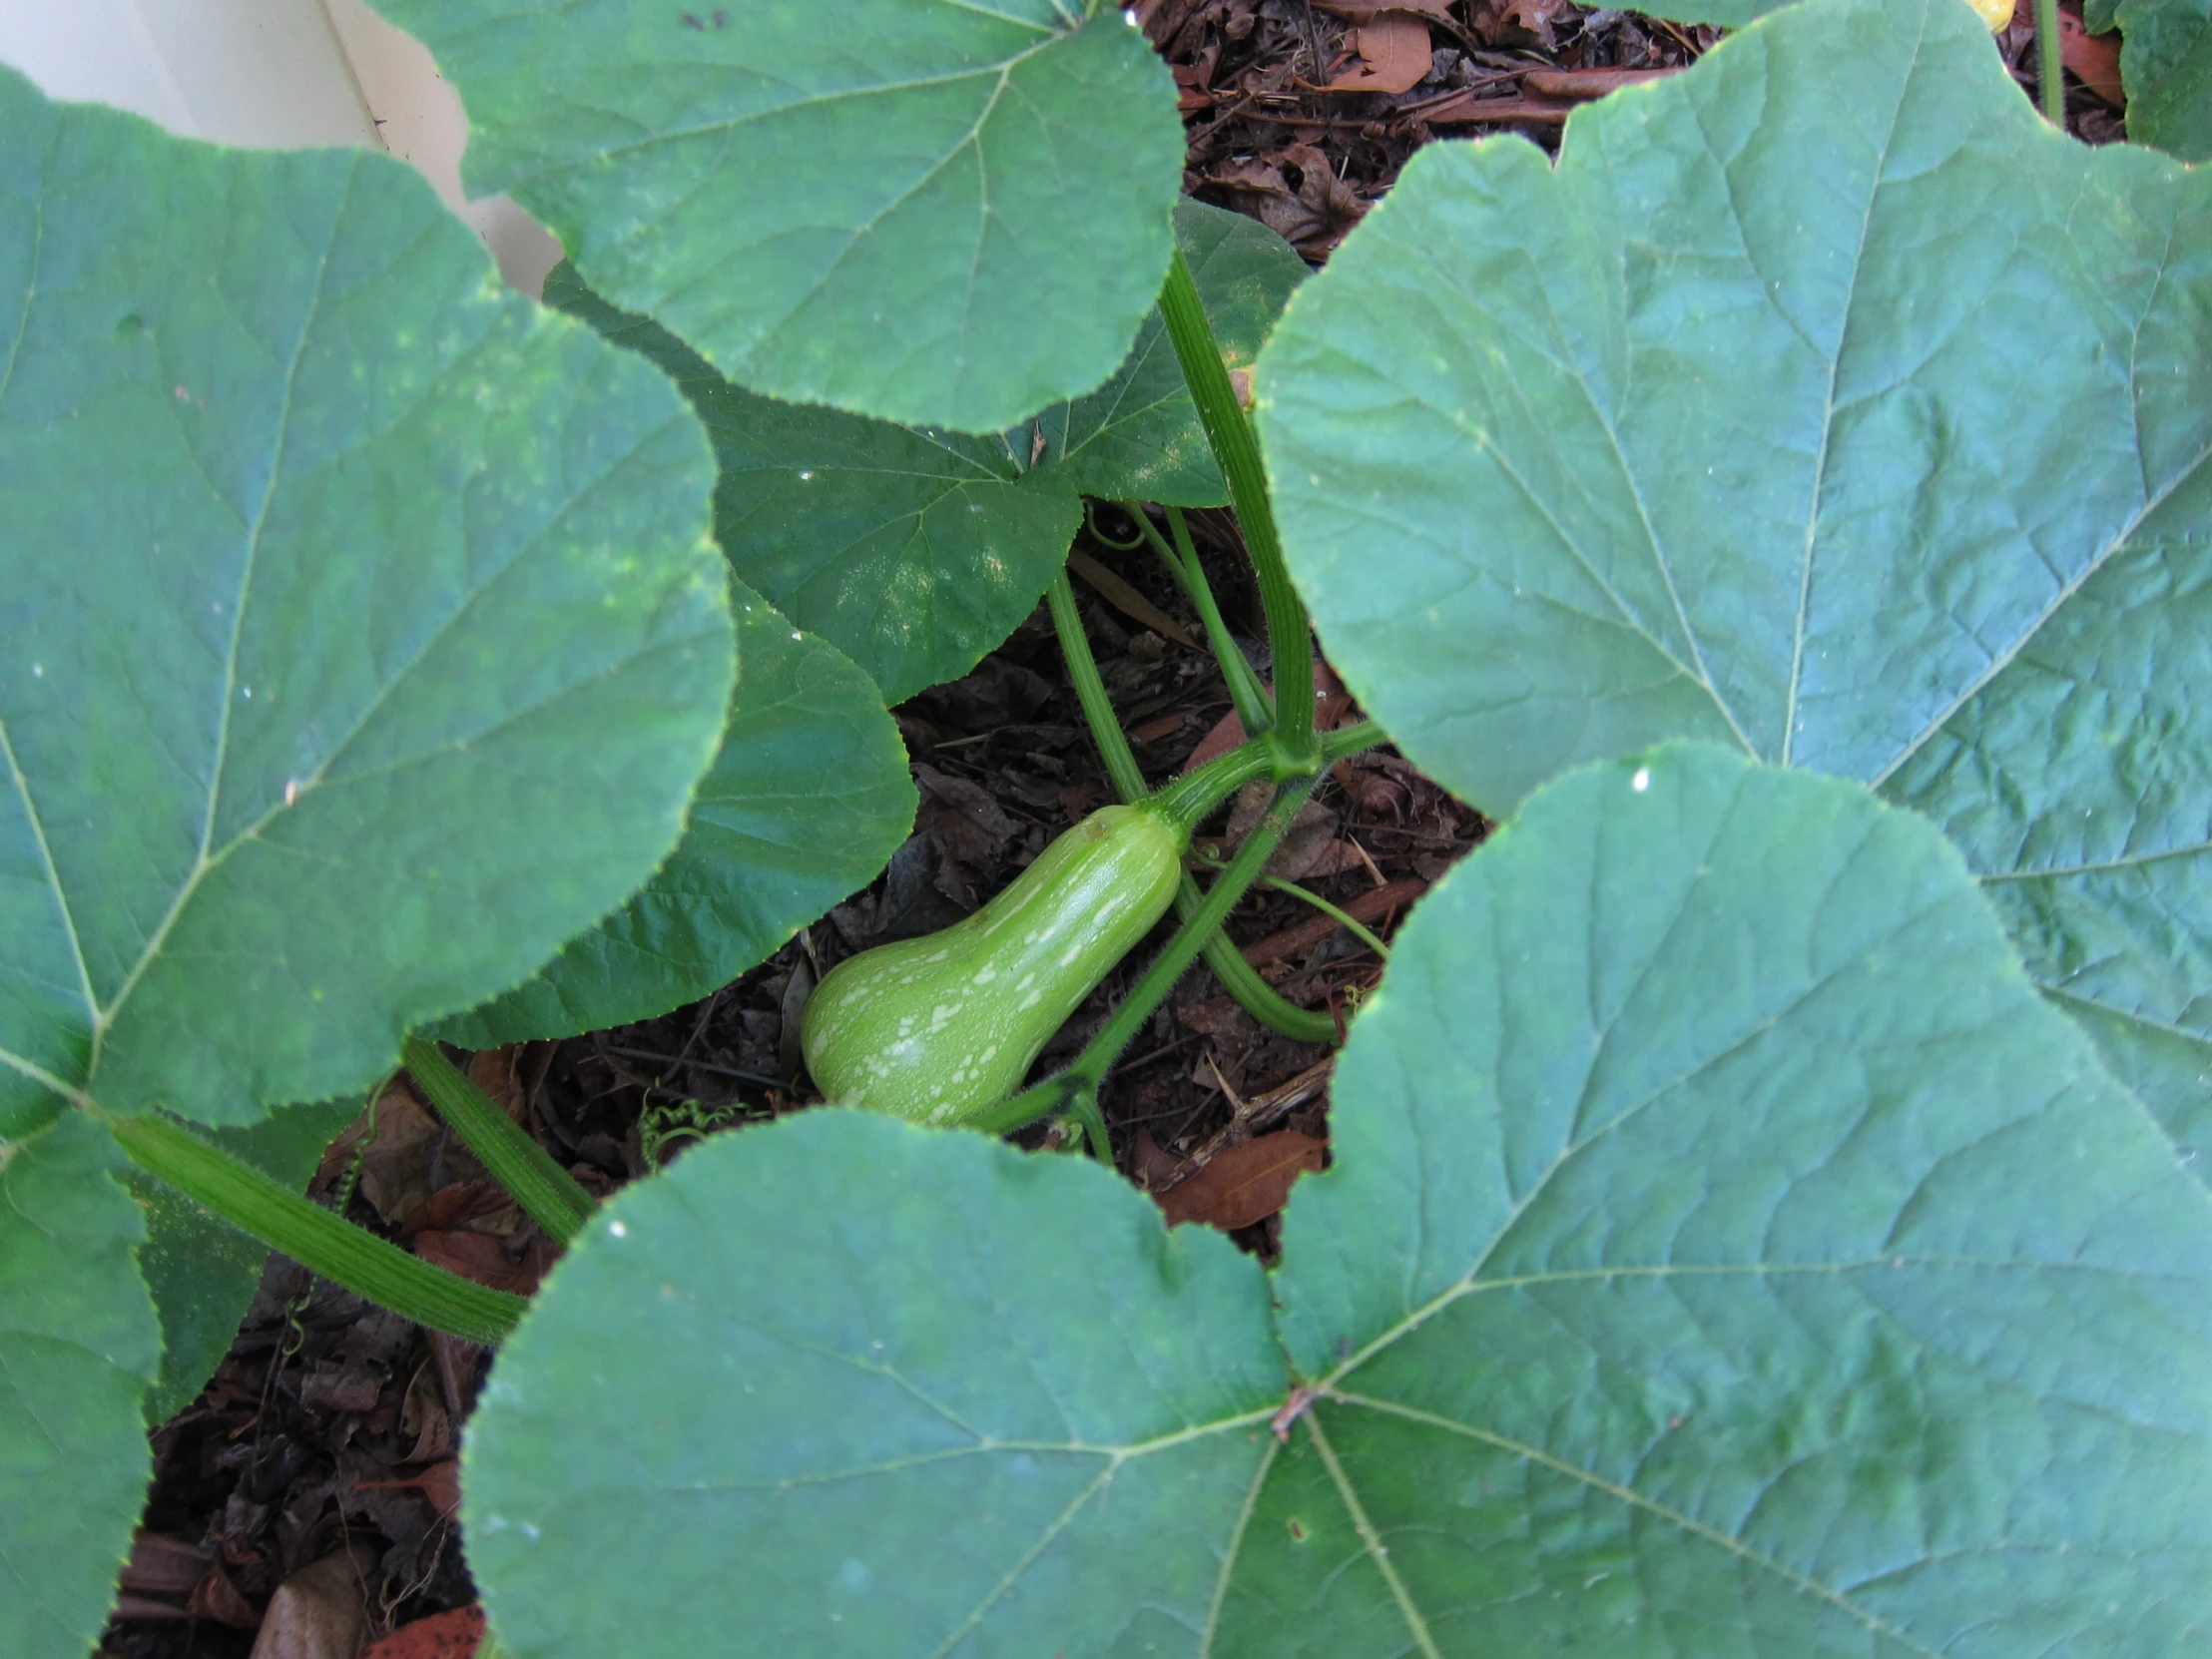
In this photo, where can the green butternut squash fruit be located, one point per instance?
(937, 1028)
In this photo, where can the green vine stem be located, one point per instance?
(1238, 978)
(1235, 668)
(319, 1240)
(1090, 692)
(1075, 1090)
(548, 1194)
(2050, 67)
(1289, 637)
(1254, 706)
(1343, 919)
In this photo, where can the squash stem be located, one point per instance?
(1255, 708)
(1090, 691)
(1186, 801)
(2050, 66)
(317, 1240)
(1290, 638)
(548, 1194)
(1238, 978)
(1077, 1086)
(1344, 919)
(1234, 669)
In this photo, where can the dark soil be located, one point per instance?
(331, 1426)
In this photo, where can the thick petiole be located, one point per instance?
(548, 1194)
(315, 1238)
(1289, 637)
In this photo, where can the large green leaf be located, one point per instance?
(855, 1386)
(915, 550)
(78, 1344)
(359, 636)
(1727, 1253)
(201, 1271)
(921, 210)
(806, 800)
(329, 570)
(1767, 418)
(1725, 1241)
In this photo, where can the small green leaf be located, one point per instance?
(915, 551)
(1727, 1252)
(1763, 418)
(935, 212)
(78, 1347)
(855, 1386)
(201, 1271)
(2166, 69)
(912, 552)
(806, 800)
(333, 573)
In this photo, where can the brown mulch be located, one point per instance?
(327, 1434)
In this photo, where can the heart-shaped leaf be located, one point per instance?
(332, 574)
(937, 213)
(1727, 1252)
(921, 1386)
(1768, 417)
(914, 550)
(806, 800)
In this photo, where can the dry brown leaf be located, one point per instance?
(441, 1483)
(1244, 1183)
(1394, 54)
(1359, 11)
(2093, 60)
(449, 1635)
(1468, 107)
(1370, 907)
(1126, 599)
(395, 1176)
(963, 817)
(422, 1414)
(166, 1578)
(1154, 1168)
(487, 1258)
(317, 1613)
(1314, 218)
(1588, 83)
(494, 1071)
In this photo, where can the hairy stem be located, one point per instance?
(548, 1194)
(315, 1238)
(1255, 708)
(1343, 919)
(1090, 691)
(2050, 69)
(1289, 637)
